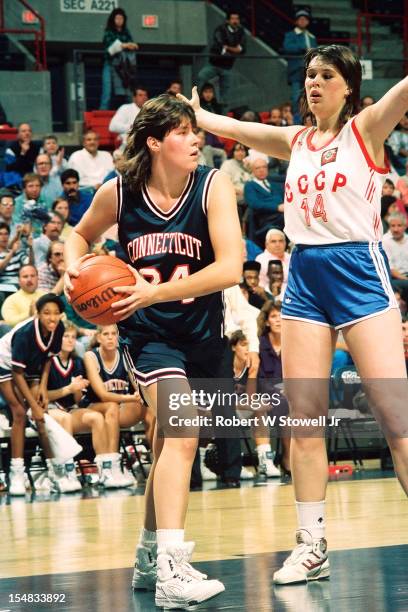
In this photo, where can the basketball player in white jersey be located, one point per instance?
(339, 275)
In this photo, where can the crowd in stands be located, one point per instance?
(45, 193)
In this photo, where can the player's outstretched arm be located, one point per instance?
(377, 121)
(272, 140)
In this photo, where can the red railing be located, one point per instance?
(40, 51)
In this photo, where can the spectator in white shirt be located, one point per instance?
(395, 244)
(91, 164)
(124, 117)
(275, 245)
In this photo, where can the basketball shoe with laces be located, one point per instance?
(178, 584)
(308, 561)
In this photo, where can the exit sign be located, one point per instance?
(150, 21)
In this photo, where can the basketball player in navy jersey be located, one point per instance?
(111, 394)
(24, 366)
(172, 219)
(339, 276)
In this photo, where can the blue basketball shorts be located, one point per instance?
(338, 284)
(5, 375)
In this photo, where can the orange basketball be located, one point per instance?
(93, 295)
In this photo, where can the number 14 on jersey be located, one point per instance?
(317, 211)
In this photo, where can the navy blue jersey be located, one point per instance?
(165, 246)
(30, 349)
(240, 381)
(61, 375)
(115, 379)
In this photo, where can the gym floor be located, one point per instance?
(79, 548)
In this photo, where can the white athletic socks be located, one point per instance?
(263, 448)
(311, 516)
(147, 538)
(169, 537)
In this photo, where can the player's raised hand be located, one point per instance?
(72, 271)
(194, 101)
(141, 295)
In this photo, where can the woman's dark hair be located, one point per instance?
(350, 69)
(4, 226)
(237, 336)
(262, 320)
(235, 147)
(157, 118)
(110, 24)
(207, 86)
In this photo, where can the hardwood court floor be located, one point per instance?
(85, 549)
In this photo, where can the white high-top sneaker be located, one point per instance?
(176, 586)
(123, 480)
(266, 464)
(308, 561)
(57, 476)
(106, 477)
(145, 572)
(17, 478)
(206, 473)
(71, 475)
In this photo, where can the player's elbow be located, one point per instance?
(232, 273)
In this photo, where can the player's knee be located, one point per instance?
(95, 420)
(19, 414)
(112, 410)
(186, 446)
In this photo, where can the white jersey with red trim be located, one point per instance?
(333, 194)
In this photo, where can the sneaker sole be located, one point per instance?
(325, 573)
(188, 605)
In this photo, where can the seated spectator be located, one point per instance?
(79, 200)
(124, 117)
(275, 248)
(50, 185)
(174, 87)
(24, 353)
(287, 115)
(66, 384)
(91, 164)
(31, 195)
(402, 188)
(209, 155)
(7, 211)
(270, 374)
(256, 294)
(12, 257)
(395, 243)
(276, 286)
(56, 153)
(111, 393)
(265, 199)
(398, 142)
(366, 101)
(238, 172)
(117, 156)
(51, 231)
(20, 155)
(20, 306)
(275, 117)
(51, 272)
(61, 207)
(208, 100)
(402, 305)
